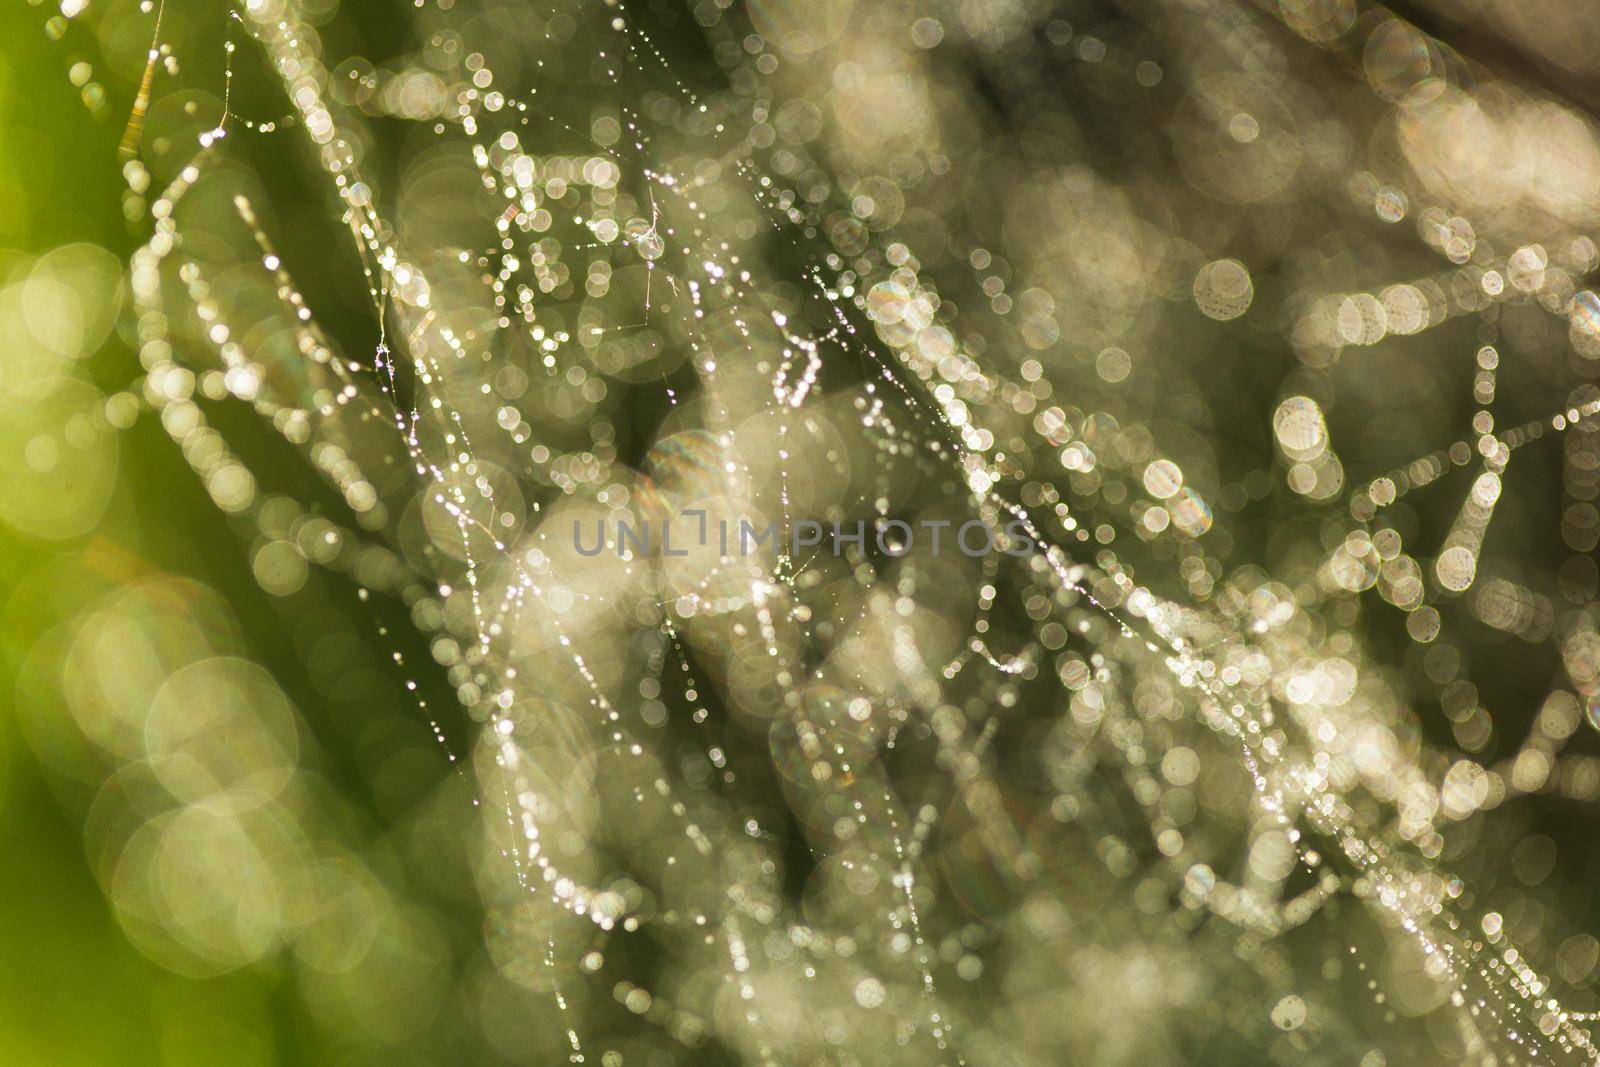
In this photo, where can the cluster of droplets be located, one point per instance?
(965, 755)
